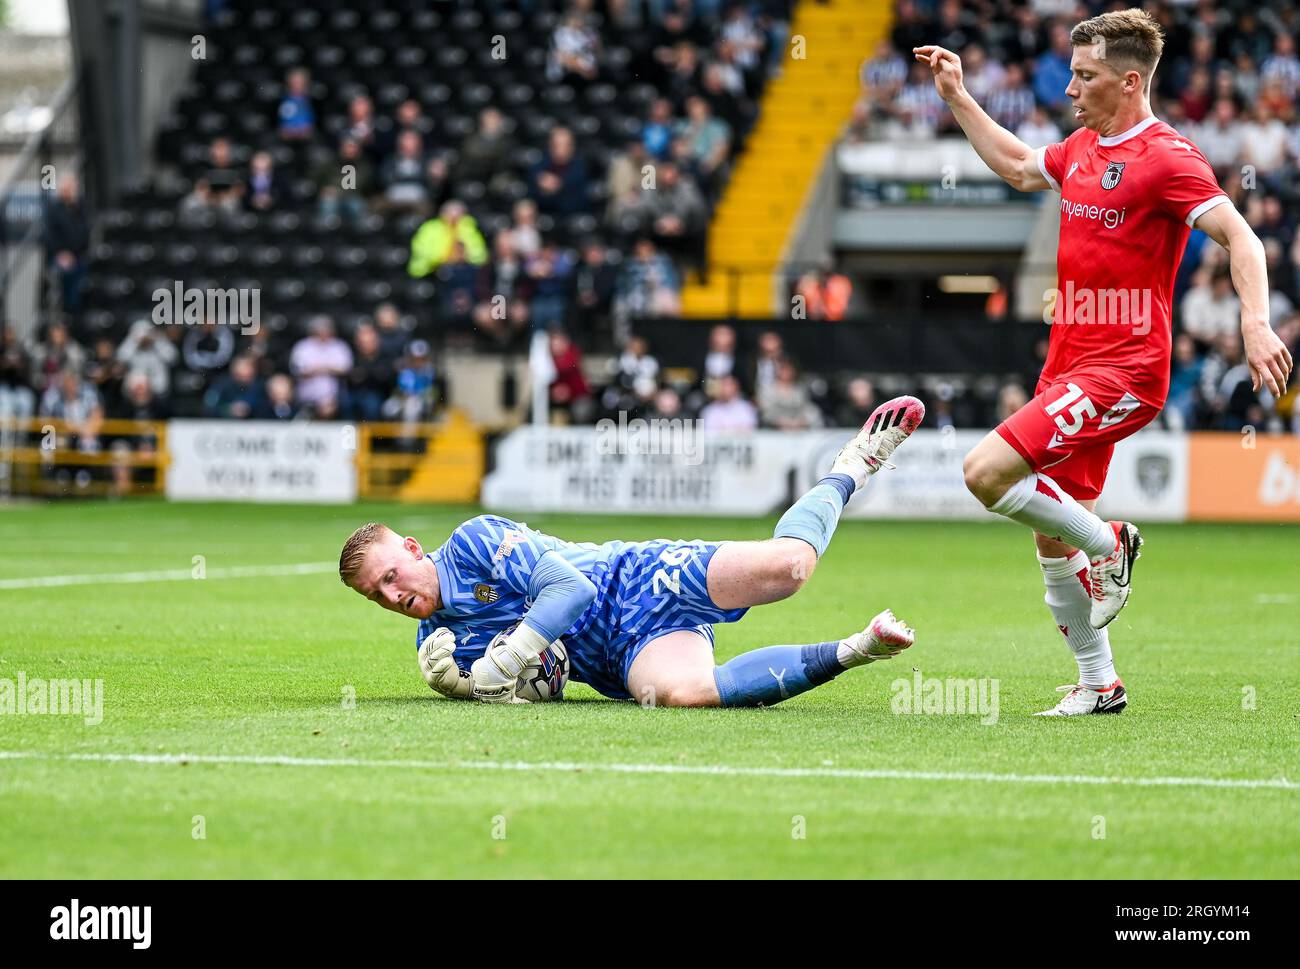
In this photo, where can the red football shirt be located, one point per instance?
(1127, 205)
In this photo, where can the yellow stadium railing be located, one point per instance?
(421, 462)
(41, 456)
(443, 461)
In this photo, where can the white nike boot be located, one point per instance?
(1111, 575)
(1080, 701)
(889, 425)
(884, 638)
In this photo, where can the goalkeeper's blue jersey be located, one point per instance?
(643, 590)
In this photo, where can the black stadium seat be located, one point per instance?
(371, 292)
(286, 290)
(180, 256)
(265, 256)
(392, 259)
(305, 20)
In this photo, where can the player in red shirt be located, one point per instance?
(1131, 190)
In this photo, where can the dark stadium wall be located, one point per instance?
(869, 344)
(131, 58)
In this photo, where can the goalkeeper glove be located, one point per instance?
(439, 668)
(490, 685)
(496, 673)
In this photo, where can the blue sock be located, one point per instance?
(814, 516)
(769, 675)
(841, 483)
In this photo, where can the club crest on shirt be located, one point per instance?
(1114, 172)
(485, 593)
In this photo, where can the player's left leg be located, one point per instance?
(743, 574)
(1069, 598)
(1068, 575)
(677, 668)
(1000, 477)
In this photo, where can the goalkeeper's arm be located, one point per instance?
(560, 594)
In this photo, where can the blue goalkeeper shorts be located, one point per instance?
(654, 589)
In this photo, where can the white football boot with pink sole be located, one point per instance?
(889, 425)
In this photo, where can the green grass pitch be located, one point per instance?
(230, 670)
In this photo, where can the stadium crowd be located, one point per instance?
(707, 61)
(1229, 81)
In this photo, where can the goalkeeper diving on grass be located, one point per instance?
(636, 618)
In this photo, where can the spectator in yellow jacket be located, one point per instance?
(431, 244)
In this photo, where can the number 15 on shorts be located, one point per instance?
(1079, 408)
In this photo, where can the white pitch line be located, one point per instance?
(170, 575)
(704, 770)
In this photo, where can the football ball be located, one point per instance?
(544, 679)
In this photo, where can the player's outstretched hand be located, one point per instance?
(438, 667)
(945, 66)
(490, 685)
(1269, 359)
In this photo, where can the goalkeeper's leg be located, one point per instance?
(744, 574)
(677, 669)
